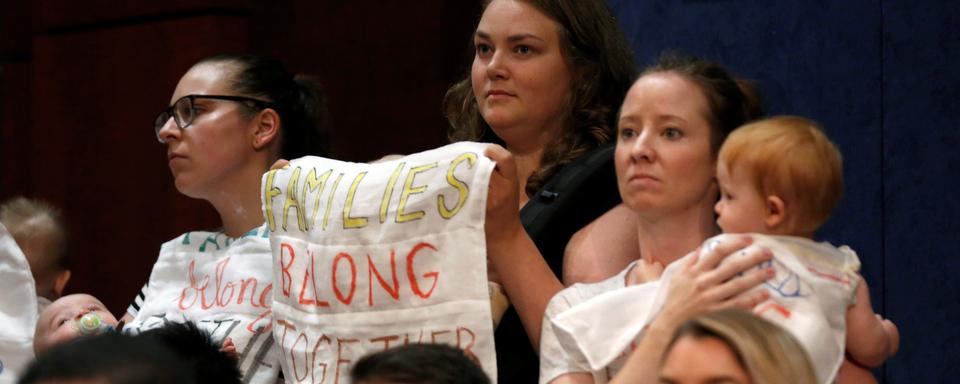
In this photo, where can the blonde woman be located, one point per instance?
(734, 346)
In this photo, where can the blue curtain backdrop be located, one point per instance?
(883, 79)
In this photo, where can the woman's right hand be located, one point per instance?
(503, 200)
(703, 284)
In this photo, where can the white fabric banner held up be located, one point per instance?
(372, 256)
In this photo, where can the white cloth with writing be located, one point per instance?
(371, 256)
(18, 309)
(814, 285)
(224, 286)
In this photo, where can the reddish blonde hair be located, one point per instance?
(789, 157)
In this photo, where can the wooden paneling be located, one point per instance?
(95, 96)
(70, 16)
(94, 73)
(16, 155)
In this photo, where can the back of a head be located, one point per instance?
(298, 99)
(198, 350)
(769, 353)
(789, 157)
(733, 101)
(39, 230)
(418, 364)
(108, 358)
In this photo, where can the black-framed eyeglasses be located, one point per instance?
(183, 111)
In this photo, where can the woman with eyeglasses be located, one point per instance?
(230, 117)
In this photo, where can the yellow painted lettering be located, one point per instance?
(409, 189)
(292, 202)
(333, 191)
(313, 183)
(269, 192)
(388, 193)
(462, 189)
(353, 222)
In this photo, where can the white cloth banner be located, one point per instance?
(224, 286)
(809, 296)
(372, 256)
(18, 309)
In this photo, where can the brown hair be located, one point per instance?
(601, 58)
(298, 99)
(789, 157)
(732, 101)
(766, 351)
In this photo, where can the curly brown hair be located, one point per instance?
(603, 63)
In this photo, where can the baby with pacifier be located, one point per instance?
(70, 317)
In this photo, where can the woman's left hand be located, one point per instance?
(704, 285)
(503, 215)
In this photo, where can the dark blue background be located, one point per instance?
(883, 79)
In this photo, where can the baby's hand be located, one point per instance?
(230, 348)
(893, 335)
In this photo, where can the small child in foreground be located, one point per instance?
(782, 176)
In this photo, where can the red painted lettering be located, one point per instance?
(285, 279)
(473, 339)
(244, 284)
(372, 271)
(293, 359)
(193, 288)
(266, 300)
(414, 285)
(340, 359)
(386, 340)
(308, 276)
(353, 279)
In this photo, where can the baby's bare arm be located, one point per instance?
(871, 339)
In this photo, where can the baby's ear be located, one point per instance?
(776, 211)
(60, 282)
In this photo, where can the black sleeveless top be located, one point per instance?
(582, 191)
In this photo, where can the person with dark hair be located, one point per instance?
(109, 358)
(669, 129)
(202, 355)
(40, 232)
(418, 364)
(229, 119)
(546, 80)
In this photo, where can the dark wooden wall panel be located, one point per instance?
(93, 74)
(16, 155)
(385, 66)
(15, 29)
(95, 95)
(76, 15)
